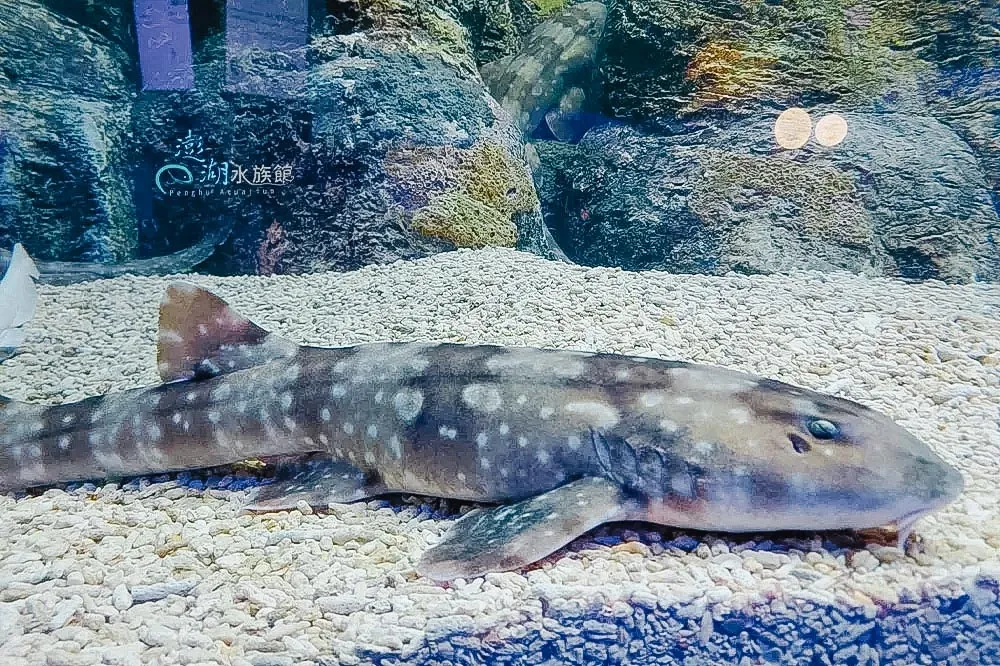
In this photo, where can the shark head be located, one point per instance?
(740, 453)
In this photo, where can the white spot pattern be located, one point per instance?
(408, 403)
(482, 397)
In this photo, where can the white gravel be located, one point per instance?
(160, 573)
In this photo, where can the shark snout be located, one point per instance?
(934, 481)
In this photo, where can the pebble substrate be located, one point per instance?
(169, 571)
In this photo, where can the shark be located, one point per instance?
(551, 443)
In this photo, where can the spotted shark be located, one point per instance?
(552, 442)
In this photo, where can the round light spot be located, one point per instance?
(573, 442)
(408, 403)
(482, 397)
(286, 401)
(372, 430)
(64, 442)
(668, 426)
(596, 414)
(831, 129)
(651, 398)
(792, 128)
(348, 427)
(482, 439)
(546, 412)
(325, 414)
(504, 429)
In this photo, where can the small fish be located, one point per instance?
(559, 441)
(18, 299)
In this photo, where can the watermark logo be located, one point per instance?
(195, 172)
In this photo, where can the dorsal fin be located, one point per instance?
(202, 336)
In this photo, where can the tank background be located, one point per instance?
(397, 151)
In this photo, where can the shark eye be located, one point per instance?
(823, 429)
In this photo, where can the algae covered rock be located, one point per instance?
(682, 56)
(473, 197)
(459, 219)
(902, 195)
(398, 118)
(291, 149)
(964, 90)
(65, 142)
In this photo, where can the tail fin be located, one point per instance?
(18, 299)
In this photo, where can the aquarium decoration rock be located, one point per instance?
(717, 197)
(169, 569)
(65, 146)
(291, 120)
(321, 171)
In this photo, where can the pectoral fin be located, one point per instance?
(320, 481)
(511, 536)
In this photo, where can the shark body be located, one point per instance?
(561, 441)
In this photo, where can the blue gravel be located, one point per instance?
(960, 631)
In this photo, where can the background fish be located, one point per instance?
(553, 79)
(182, 261)
(18, 299)
(562, 441)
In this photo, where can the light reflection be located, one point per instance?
(792, 128)
(831, 129)
(164, 37)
